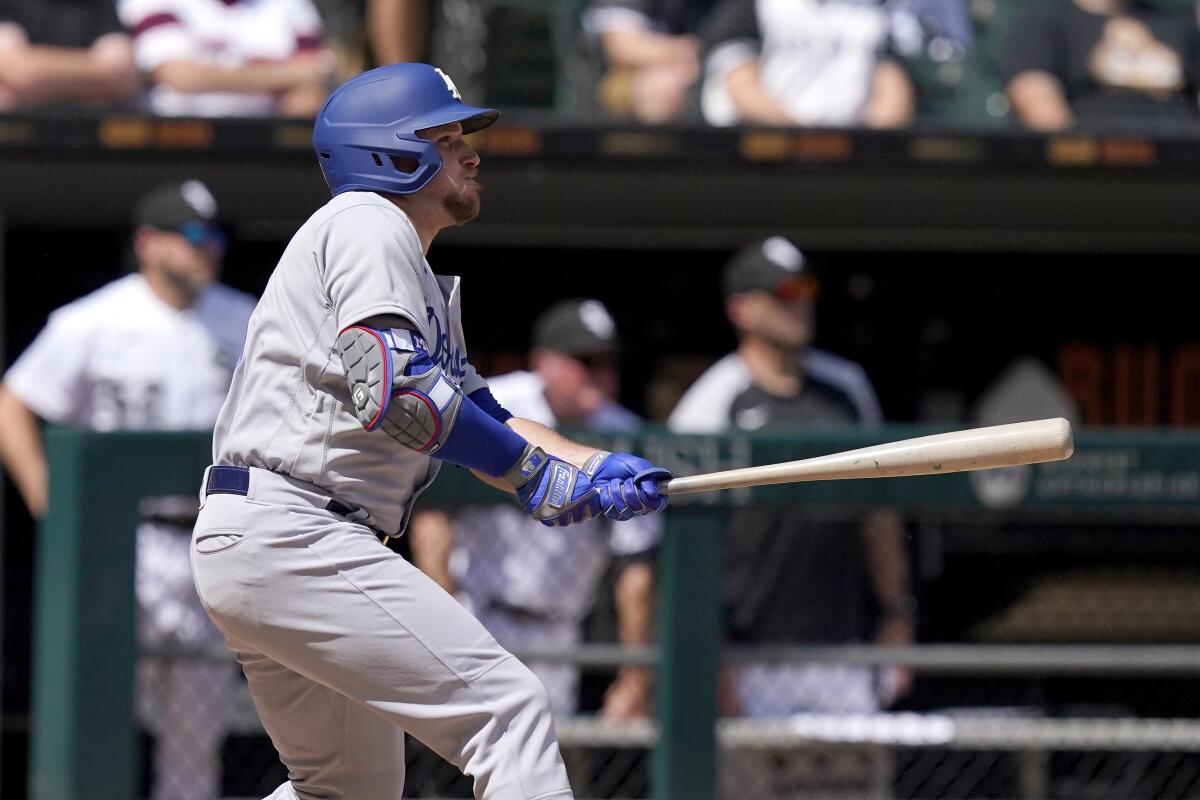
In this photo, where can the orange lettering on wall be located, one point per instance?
(1185, 386)
(1137, 385)
(1081, 369)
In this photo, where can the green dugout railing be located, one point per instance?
(83, 737)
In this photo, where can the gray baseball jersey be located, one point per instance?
(346, 645)
(289, 408)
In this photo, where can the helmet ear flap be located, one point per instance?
(402, 165)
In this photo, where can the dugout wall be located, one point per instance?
(83, 729)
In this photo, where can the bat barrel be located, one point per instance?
(960, 451)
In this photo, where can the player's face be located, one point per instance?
(456, 184)
(786, 322)
(603, 373)
(790, 322)
(576, 387)
(186, 260)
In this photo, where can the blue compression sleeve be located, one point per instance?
(489, 405)
(480, 442)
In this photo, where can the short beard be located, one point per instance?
(462, 206)
(186, 287)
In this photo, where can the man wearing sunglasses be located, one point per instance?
(792, 577)
(153, 350)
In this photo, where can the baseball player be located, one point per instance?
(790, 576)
(788, 572)
(527, 584)
(354, 387)
(112, 361)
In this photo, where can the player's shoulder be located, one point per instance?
(515, 388)
(363, 217)
(358, 208)
(834, 369)
(103, 305)
(704, 407)
(845, 377)
(225, 299)
(613, 417)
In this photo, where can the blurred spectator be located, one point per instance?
(154, 350)
(531, 585)
(1102, 60)
(941, 27)
(63, 51)
(809, 62)
(230, 57)
(792, 577)
(651, 50)
(398, 30)
(345, 34)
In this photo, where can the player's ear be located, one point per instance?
(737, 310)
(145, 241)
(538, 358)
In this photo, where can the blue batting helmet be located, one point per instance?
(366, 133)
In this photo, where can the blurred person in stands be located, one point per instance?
(1069, 61)
(791, 577)
(371, 33)
(398, 30)
(154, 350)
(531, 585)
(651, 52)
(63, 51)
(230, 58)
(804, 63)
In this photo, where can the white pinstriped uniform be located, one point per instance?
(111, 361)
(530, 585)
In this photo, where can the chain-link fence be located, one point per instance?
(980, 752)
(1096, 746)
(985, 717)
(939, 722)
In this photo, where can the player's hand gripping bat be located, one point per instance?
(960, 451)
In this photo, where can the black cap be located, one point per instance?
(764, 265)
(173, 205)
(577, 328)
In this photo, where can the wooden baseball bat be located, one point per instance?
(979, 448)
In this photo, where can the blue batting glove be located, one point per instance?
(628, 484)
(553, 492)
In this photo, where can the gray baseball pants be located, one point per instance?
(346, 646)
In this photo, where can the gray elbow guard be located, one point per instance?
(396, 387)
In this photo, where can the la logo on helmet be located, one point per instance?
(449, 84)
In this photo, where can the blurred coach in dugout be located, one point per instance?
(531, 585)
(790, 577)
(154, 350)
